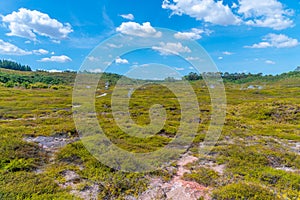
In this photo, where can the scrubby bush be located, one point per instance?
(246, 191)
(203, 176)
(19, 165)
(38, 85)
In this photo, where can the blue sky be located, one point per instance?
(239, 35)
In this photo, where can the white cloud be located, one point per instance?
(260, 45)
(30, 23)
(59, 59)
(227, 53)
(277, 41)
(270, 62)
(114, 45)
(234, 5)
(190, 58)
(211, 11)
(121, 61)
(171, 48)
(220, 58)
(7, 48)
(55, 71)
(267, 13)
(128, 16)
(179, 68)
(93, 59)
(95, 70)
(40, 52)
(56, 41)
(135, 29)
(194, 34)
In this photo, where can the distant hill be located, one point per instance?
(247, 78)
(6, 64)
(44, 79)
(13, 74)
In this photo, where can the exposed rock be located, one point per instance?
(155, 191)
(253, 87)
(295, 147)
(74, 181)
(177, 188)
(70, 175)
(212, 165)
(288, 169)
(52, 143)
(187, 190)
(130, 198)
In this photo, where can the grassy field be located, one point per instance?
(259, 145)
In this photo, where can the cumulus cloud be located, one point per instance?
(220, 58)
(135, 29)
(171, 48)
(270, 62)
(30, 23)
(40, 52)
(227, 53)
(128, 16)
(211, 11)
(121, 61)
(194, 34)
(267, 13)
(59, 59)
(7, 48)
(276, 41)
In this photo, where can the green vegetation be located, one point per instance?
(246, 78)
(29, 80)
(244, 191)
(257, 147)
(203, 176)
(6, 64)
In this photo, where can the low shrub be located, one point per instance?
(243, 191)
(203, 176)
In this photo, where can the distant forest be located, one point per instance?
(44, 79)
(6, 64)
(245, 77)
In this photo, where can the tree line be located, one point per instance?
(241, 77)
(6, 64)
